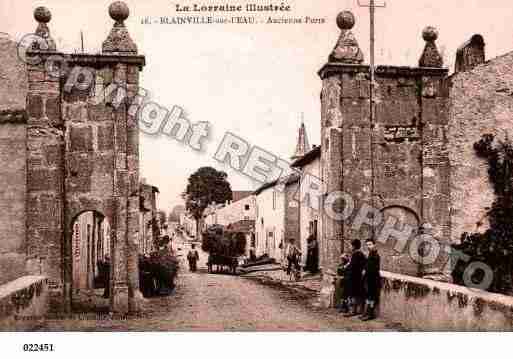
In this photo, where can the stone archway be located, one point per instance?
(83, 154)
(91, 249)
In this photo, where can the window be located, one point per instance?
(274, 199)
(246, 207)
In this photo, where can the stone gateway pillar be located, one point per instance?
(83, 156)
(125, 290)
(393, 165)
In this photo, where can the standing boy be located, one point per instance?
(342, 283)
(372, 280)
(354, 271)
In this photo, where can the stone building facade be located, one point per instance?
(309, 213)
(394, 159)
(277, 216)
(489, 110)
(81, 155)
(269, 230)
(237, 210)
(148, 217)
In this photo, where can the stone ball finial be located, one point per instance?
(42, 14)
(119, 11)
(345, 20)
(430, 33)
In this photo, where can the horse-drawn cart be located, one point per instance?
(218, 263)
(224, 248)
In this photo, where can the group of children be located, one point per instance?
(361, 283)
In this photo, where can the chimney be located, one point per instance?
(470, 54)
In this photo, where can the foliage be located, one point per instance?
(162, 241)
(160, 267)
(162, 218)
(205, 186)
(495, 246)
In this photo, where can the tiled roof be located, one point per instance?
(307, 158)
(238, 195)
(245, 226)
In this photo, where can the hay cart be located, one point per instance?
(224, 249)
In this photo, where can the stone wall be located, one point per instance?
(427, 305)
(12, 199)
(45, 176)
(421, 304)
(13, 149)
(13, 72)
(487, 111)
(23, 303)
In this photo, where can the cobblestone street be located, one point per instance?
(215, 302)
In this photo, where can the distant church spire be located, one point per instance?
(302, 146)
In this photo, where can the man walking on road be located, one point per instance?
(193, 258)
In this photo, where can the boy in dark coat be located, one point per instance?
(193, 258)
(355, 270)
(343, 283)
(372, 280)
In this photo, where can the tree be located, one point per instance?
(162, 217)
(495, 246)
(205, 186)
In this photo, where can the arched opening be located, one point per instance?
(91, 253)
(395, 255)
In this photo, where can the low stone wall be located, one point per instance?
(23, 303)
(427, 305)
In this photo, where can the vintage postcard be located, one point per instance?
(261, 166)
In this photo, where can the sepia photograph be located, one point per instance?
(207, 167)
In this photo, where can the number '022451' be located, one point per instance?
(38, 347)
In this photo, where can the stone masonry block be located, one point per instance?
(133, 75)
(53, 111)
(435, 111)
(44, 179)
(35, 106)
(44, 87)
(106, 137)
(99, 112)
(81, 138)
(53, 155)
(45, 210)
(36, 75)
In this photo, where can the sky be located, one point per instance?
(255, 80)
